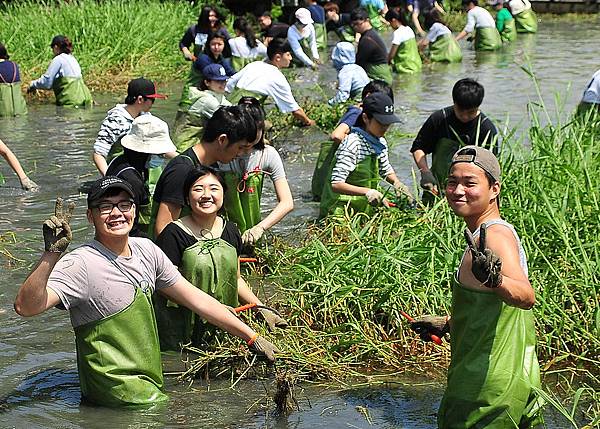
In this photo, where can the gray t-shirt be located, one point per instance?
(268, 160)
(93, 283)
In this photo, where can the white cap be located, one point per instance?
(303, 15)
(149, 134)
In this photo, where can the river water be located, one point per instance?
(38, 377)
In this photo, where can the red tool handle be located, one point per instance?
(248, 260)
(434, 338)
(244, 307)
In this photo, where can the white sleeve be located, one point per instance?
(346, 159)
(294, 39)
(313, 42)
(281, 92)
(470, 27)
(47, 79)
(232, 81)
(396, 38)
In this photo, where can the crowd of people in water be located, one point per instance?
(174, 212)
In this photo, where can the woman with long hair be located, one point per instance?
(442, 45)
(245, 47)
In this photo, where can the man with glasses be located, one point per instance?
(371, 54)
(106, 285)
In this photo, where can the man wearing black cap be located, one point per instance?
(107, 285)
(141, 94)
(360, 161)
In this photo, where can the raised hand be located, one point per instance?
(57, 230)
(486, 266)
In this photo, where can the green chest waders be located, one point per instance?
(526, 21)
(407, 58)
(325, 162)
(366, 174)
(305, 45)
(509, 32)
(375, 18)
(380, 72)
(12, 102)
(70, 91)
(441, 158)
(242, 199)
(194, 78)
(493, 365)
(321, 36)
(239, 63)
(237, 93)
(445, 49)
(118, 357)
(145, 216)
(211, 266)
(346, 34)
(487, 39)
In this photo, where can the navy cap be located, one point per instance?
(214, 72)
(381, 107)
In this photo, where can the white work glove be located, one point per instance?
(374, 197)
(252, 235)
(402, 191)
(29, 185)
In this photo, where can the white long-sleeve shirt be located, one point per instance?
(478, 17)
(62, 65)
(239, 48)
(294, 37)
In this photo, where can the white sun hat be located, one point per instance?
(149, 134)
(303, 15)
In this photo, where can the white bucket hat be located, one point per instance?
(149, 134)
(303, 15)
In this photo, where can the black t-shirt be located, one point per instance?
(444, 124)
(277, 30)
(343, 21)
(173, 240)
(169, 187)
(371, 49)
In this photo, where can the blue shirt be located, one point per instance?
(351, 116)
(9, 72)
(317, 13)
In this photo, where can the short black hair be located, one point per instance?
(432, 17)
(399, 16)
(467, 93)
(255, 111)
(466, 2)
(377, 86)
(196, 173)
(231, 121)
(359, 14)
(3, 53)
(278, 46)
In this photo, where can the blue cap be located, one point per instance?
(214, 72)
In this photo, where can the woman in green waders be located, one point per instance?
(404, 55)
(494, 369)
(12, 102)
(206, 248)
(481, 24)
(505, 23)
(245, 177)
(360, 163)
(525, 17)
(376, 10)
(64, 76)
(439, 39)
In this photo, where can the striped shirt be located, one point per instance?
(351, 152)
(116, 124)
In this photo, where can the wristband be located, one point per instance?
(251, 340)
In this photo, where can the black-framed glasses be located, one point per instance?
(124, 206)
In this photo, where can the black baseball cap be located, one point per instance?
(101, 186)
(143, 87)
(381, 107)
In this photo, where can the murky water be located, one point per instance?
(38, 379)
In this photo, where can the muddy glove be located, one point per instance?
(402, 192)
(57, 231)
(374, 197)
(31, 90)
(29, 185)
(252, 235)
(263, 347)
(486, 265)
(428, 181)
(425, 326)
(272, 319)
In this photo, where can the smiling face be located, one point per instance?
(115, 223)
(212, 18)
(468, 191)
(216, 46)
(206, 196)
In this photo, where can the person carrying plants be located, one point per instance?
(525, 17)
(26, 183)
(245, 176)
(376, 10)
(442, 46)
(206, 248)
(12, 102)
(262, 79)
(207, 99)
(271, 30)
(404, 54)
(480, 22)
(245, 47)
(225, 135)
(494, 371)
(141, 94)
(303, 40)
(63, 76)
(371, 53)
(148, 136)
(448, 129)
(107, 286)
(505, 23)
(591, 96)
(352, 78)
(360, 161)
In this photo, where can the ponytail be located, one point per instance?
(242, 26)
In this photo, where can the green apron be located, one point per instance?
(145, 217)
(381, 72)
(325, 160)
(375, 17)
(346, 34)
(118, 357)
(441, 159)
(12, 102)
(239, 63)
(407, 58)
(493, 365)
(238, 93)
(487, 39)
(509, 32)
(212, 266)
(185, 133)
(242, 198)
(71, 91)
(305, 44)
(445, 49)
(366, 174)
(321, 36)
(526, 21)
(195, 78)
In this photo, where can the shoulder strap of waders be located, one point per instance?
(134, 282)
